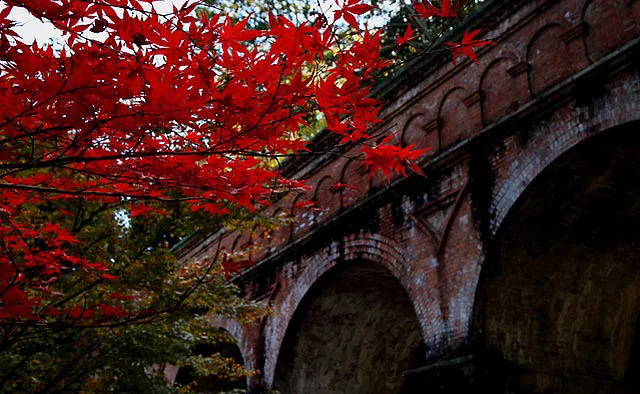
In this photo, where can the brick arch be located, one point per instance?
(350, 175)
(243, 338)
(551, 142)
(279, 235)
(303, 217)
(566, 251)
(547, 58)
(410, 121)
(259, 241)
(236, 243)
(326, 198)
(456, 120)
(242, 246)
(601, 40)
(495, 85)
(547, 142)
(323, 182)
(238, 332)
(414, 132)
(369, 247)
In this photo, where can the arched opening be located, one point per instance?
(452, 109)
(557, 304)
(354, 332)
(226, 380)
(353, 176)
(548, 58)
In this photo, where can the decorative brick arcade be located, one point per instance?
(514, 266)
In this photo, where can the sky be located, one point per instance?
(31, 28)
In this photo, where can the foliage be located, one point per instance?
(136, 130)
(428, 23)
(110, 353)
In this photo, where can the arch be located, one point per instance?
(319, 190)
(415, 133)
(351, 176)
(565, 275)
(355, 330)
(235, 329)
(325, 200)
(242, 246)
(547, 58)
(259, 241)
(495, 83)
(545, 142)
(227, 345)
(226, 241)
(404, 137)
(552, 139)
(456, 120)
(303, 217)
(609, 24)
(279, 235)
(374, 248)
(253, 235)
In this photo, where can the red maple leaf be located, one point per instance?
(231, 36)
(427, 10)
(292, 39)
(408, 36)
(392, 158)
(349, 9)
(305, 204)
(339, 187)
(109, 276)
(466, 45)
(113, 311)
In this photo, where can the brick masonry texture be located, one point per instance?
(562, 73)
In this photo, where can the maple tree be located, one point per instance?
(135, 119)
(162, 110)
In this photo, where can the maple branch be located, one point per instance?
(85, 289)
(44, 189)
(144, 317)
(64, 370)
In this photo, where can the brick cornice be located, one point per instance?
(573, 33)
(518, 69)
(432, 126)
(472, 99)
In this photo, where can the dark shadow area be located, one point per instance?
(355, 332)
(213, 384)
(557, 304)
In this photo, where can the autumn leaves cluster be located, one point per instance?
(137, 109)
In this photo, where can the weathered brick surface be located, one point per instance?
(366, 304)
(560, 286)
(562, 71)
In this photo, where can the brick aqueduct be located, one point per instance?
(514, 267)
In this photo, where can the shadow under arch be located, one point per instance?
(558, 300)
(225, 346)
(355, 331)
